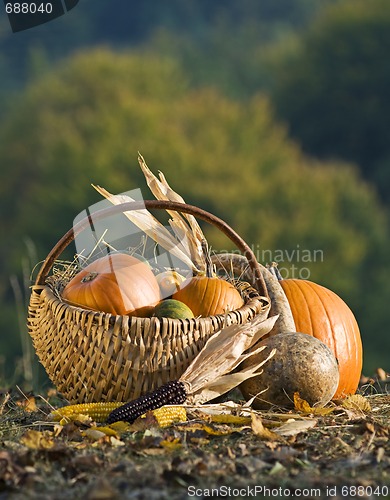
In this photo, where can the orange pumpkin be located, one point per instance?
(117, 284)
(321, 313)
(206, 296)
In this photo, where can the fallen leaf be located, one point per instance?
(380, 454)
(377, 429)
(230, 419)
(295, 427)
(277, 469)
(28, 404)
(244, 449)
(262, 432)
(121, 427)
(71, 431)
(199, 441)
(154, 432)
(204, 429)
(37, 440)
(221, 430)
(107, 430)
(94, 434)
(153, 452)
(116, 442)
(227, 407)
(357, 402)
(146, 423)
(174, 444)
(303, 406)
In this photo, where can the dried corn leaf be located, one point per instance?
(152, 227)
(185, 226)
(225, 408)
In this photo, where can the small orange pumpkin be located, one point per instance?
(207, 296)
(321, 313)
(117, 284)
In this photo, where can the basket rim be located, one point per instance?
(252, 300)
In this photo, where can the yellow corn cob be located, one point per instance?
(98, 412)
(168, 415)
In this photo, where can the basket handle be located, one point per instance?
(155, 204)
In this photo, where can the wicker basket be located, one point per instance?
(94, 356)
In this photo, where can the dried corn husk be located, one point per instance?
(211, 373)
(151, 226)
(185, 226)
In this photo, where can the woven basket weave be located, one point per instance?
(94, 356)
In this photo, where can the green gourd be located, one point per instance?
(171, 308)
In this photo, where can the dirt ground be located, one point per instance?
(219, 452)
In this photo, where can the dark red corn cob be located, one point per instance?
(168, 394)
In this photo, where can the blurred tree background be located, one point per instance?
(271, 115)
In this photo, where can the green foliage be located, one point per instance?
(334, 90)
(85, 122)
(216, 41)
(230, 47)
(72, 128)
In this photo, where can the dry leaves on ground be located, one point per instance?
(225, 443)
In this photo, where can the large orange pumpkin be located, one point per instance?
(206, 296)
(116, 283)
(321, 313)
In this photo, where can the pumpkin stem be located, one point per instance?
(207, 258)
(274, 270)
(279, 303)
(89, 277)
